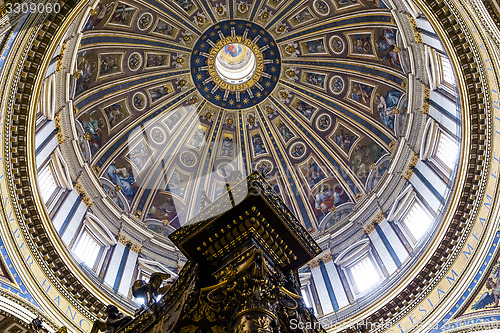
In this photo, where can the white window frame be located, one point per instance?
(51, 167)
(433, 134)
(441, 138)
(86, 232)
(446, 78)
(352, 256)
(403, 222)
(92, 226)
(146, 267)
(306, 292)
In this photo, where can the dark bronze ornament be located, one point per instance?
(244, 250)
(36, 326)
(151, 290)
(113, 323)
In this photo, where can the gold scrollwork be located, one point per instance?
(127, 242)
(85, 198)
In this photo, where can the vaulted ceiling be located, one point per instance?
(320, 119)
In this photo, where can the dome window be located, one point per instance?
(364, 273)
(87, 248)
(417, 221)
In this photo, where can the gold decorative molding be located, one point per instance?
(327, 257)
(414, 160)
(408, 173)
(427, 92)
(369, 228)
(411, 166)
(60, 56)
(425, 108)
(57, 120)
(57, 125)
(392, 145)
(127, 242)
(313, 264)
(85, 198)
(416, 29)
(379, 218)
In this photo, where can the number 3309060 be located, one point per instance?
(32, 7)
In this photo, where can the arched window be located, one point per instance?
(87, 248)
(411, 216)
(360, 267)
(47, 182)
(447, 77)
(446, 151)
(439, 149)
(92, 243)
(53, 180)
(364, 273)
(417, 221)
(305, 290)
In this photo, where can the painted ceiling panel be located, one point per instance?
(167, 126)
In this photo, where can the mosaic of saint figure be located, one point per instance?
(164, 209)
(363, 156)
(156, 60)
(113, 195)
(227, 146)
(101, 11)
(362, 43)
(385, 46)
(140, 155)
(123, 14)
(301, 17)
(490, 299)
(177, 184)
(159, 92)
(313, 174)
(315, 46)
(385, 105)
(284, 131)
(164, 28)
(258, 144)
(123, 177)
(327, 198)
(198, 137)
(306, 109)
(344, 139)
(93, 127)
(361, 93)
(110, 64)
(87, 68)
(115, 113)
(315, 79)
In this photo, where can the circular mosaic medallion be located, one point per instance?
(235, 64)
(139, 101)
(134, 61)
(145, 21)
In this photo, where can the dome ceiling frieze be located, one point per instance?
(319, 115)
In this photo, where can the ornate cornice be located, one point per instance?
(127, 242)
(34, 229)
(23, 200)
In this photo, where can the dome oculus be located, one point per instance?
(235, 64)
